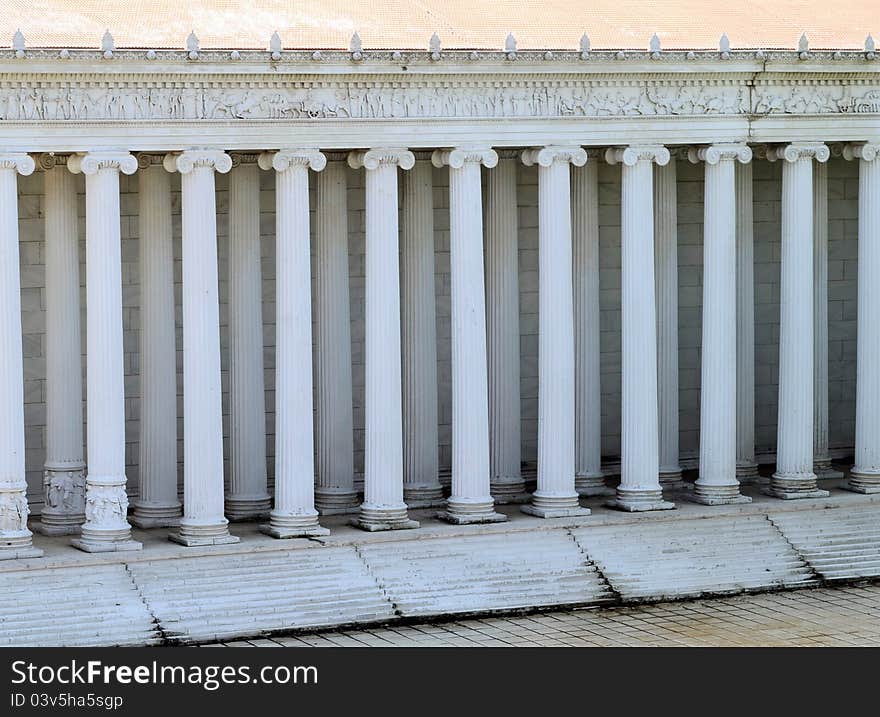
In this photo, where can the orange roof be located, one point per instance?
(408, 24)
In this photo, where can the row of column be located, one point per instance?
(401, 404)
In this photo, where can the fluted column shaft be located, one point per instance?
(64, 470)
(639, 487)
(502, 322)
(15, 538)
(334, 433)
(383, 507)
(203, 522)
(717, 483)
(555, 495)
(821, 458)
(794, 477)
(471, 501)
(746, 467)
(666, 276)
(248, 496)
(865, 474)
(106, 527)
(157, 503)
(421, 485)
(589, 479)
(294, 514)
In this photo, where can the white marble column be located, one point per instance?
(794, 477)
(502, 325)
(666, 277)
(294, 514)
(64, 475)
(247, 497)
(865, 474)
(746, 467)
(555, 495)
(106, 528)
(334, 432)
(639, 488)
(471, 500)
(15, 538)
(589, 479)
(157, 504)
(383, 507)
(421, 485)
(717, 483)
(203, 522)
(821, 458)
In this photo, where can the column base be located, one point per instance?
(825, 471)
(20, 552)
(106, 546)
(331, 502)
(55, 529)
(469, 512)
(747, 473)
(146, 515)
(802, 485)
(591, 484)
(509, 490)
(194, 535)
(241, 509)
(671, 477)
(716, 495)
(423, 496)
(290, 532)
(546, 505)
(639, 501)
(374, 518)
(863, 482)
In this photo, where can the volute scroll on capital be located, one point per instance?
(715, 153)
(457, 157)
(546, 156)
(284, 159)
(632, 155)
(800, 150)
(188, 160)
(92, 162)
(374, 158)
(866, 151)
(20, 162)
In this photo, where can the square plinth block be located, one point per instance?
(555, 512)
(109, 546)
(196, 542)
(375, 526)
(55, 530)
(284, 533)
(710, 500)
(20, 553)
(457, 519)
(795, 494)
(639, 506)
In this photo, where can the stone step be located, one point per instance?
(687, 558)
(97, 605)
(839, 543)
(485, 573)
(212, 597)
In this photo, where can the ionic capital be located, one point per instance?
(459, 156)
(92, 162)
(284, 159)
(800, 150)
(47, 161)
(186, 161)
(146, 160)
(715, 153)
(546, 156)
(866, 151)
(18, 162)
(632, 155)
(375, 158)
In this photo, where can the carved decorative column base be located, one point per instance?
(717, 495)
(589, 484)
(64, 512)
(860, 482)
(747, 473)
(791, 487)
(336, 502)
(637, 501)
(824, 470)
(374, 518)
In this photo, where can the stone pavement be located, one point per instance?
(823, 617)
